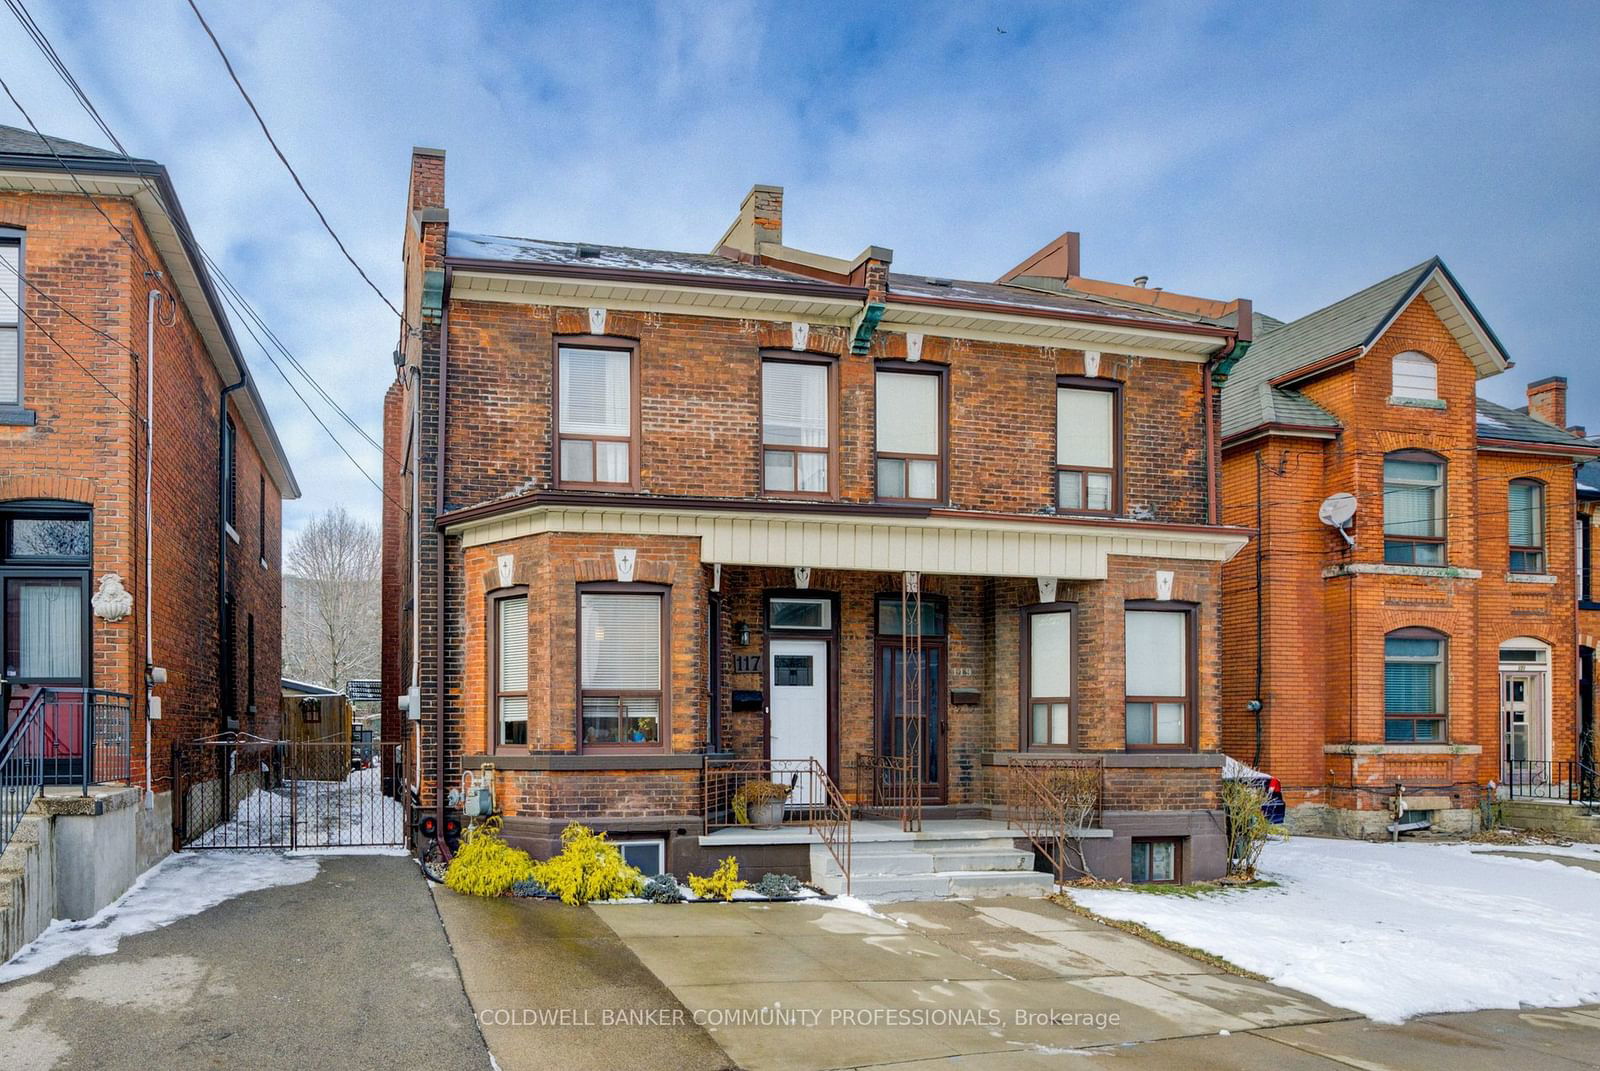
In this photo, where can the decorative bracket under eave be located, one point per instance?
(1224, 368)
(861, 331)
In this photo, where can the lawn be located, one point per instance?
(1395, 930)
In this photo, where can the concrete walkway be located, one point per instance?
(350, 970)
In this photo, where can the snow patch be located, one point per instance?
(179, 886)
(1395, 930)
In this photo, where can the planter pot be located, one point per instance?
(767, 815)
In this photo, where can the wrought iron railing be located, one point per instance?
(806, 796)
(1565, 780)
(890, 786)
(1052, 801)
(73, 736)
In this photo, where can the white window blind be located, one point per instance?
(10, 321)
(1526, 526)
(1156, 656)
(1083, 428)
(514, 644)
(794, 404)
(908, 413)
(1415, 376)
(1050, 654)
(596, 392)
(622, 642)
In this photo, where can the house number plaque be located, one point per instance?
(747, 663)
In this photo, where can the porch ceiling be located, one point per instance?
(943, 542)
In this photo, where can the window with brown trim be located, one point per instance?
(910, 435)
(797, 420)
(509, 668)
(1413, 508)
(597, 414)
(1157, 861)
(1525, 526)
(1158, 660)
(1088, 419)
(1047, 675)
(622, 665)
(1414, 686)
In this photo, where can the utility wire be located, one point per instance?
(226, 62)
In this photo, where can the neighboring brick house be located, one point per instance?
(1588, 487)
(1434, 647)
(669, 509)
(76, 279)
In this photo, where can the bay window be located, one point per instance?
(1158, 656)
(796, 426)
(510, 615)
(1047, 674)
(910, 431)
(1413, 508)
(621, 665)
(1086, 448)
(596, 416)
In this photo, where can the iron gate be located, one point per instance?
(241, 791)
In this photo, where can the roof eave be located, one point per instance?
(802, 287)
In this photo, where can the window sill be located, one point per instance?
(1588, 604)
(1531, 578)
(11, 416)
(1417, 403)
(233, 535)
(589, 761)
(1402, 749)
(1438, 572)
(1114, 759)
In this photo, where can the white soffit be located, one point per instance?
(957, 546)
(986, 326)
(650, 297)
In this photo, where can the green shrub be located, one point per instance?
(775, 886)
(663, 889)
(485, 865)
(722, 884)
(588, 868)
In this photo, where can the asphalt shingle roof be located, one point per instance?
(1280, 350)
(19, 142)
(1496, 421)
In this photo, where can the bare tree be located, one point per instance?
(331, 592)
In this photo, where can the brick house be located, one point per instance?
(109, 325)
(1588, 489)
(682, 511)
(1431, 642)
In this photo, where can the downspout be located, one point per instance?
(1260, 639)
(149, 531)
(438, 576)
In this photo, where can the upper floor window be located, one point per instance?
(1413, 686)
(1414, 375)
(1526, 526)
(1047, 673)
(597, 418)
(621, 665)
(910, 432)
(1158, 656)
(10, 319)
(1413, 508)
(1086, 449)
(796, 426)
(510, 616)
(230, 470)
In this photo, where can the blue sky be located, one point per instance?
(1290, 154)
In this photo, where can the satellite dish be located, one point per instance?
(1336, 512)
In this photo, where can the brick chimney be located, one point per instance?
(427, 180)
(760, 221)
(1547, 400)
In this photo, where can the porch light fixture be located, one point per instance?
(743, 631)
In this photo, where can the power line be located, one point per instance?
(85, 368)
(226, 62)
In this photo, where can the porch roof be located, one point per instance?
(935, 541)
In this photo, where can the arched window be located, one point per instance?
(1413, 508)
(1414, 686)
(1414, 375)
(1525, 526)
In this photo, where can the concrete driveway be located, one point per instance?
(349, 970)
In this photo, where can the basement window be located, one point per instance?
(648, 856)
(1157, 861)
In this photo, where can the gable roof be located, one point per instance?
(28, 162)
(1352, 325)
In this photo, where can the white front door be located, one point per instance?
(797, 690)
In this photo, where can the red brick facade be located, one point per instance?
(1325, 609)
(82, 442)
(700, 452)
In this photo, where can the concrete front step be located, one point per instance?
(938, 886)
(932, 869)
(877, 863)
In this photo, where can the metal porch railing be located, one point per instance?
(79, 736)
(811, 799)
(1562, 780)
(1050, 801)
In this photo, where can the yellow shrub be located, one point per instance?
(486, 865)
(588, 868)
(722, 884)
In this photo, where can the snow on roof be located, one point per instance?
(469, 246)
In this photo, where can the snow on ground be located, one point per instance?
(327, 815)
(181, 885)
(1395, 930)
